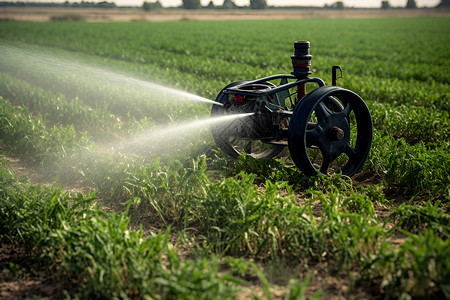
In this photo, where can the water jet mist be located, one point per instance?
(51, 69)
(170, 139)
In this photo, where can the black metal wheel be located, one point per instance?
(330, 132)
(235, 146)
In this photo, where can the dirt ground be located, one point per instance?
(41, 14)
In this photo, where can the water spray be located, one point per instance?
(167, 139)
(36, 65)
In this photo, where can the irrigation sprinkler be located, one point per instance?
(327, 129)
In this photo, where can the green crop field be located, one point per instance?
(104, 186)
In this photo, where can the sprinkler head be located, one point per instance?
(301, 60)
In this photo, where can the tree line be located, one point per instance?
(102, 4)
(195, 4)
(261, 4)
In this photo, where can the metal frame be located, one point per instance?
(277, 122)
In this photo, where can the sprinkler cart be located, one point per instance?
(327, 130)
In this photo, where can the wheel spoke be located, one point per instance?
(311, 126)
(346, 112)
(329, 154)
(313, 136)
(353, 156)
(327, 159)
(322, 111)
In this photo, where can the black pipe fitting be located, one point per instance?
(301, 60)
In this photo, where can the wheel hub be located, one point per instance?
(335, 133)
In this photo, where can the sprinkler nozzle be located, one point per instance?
(301, 60)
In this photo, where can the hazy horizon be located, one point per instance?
(349, 3)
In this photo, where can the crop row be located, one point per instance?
(85, 245)
(110, 100)
(234, 42)
(230, 212)
(229, 217)
(403, 67)
(111, 107)
(124, 96)
(416, 167)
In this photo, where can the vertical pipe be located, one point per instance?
(334, 76)
(301, 61)
(301, 91)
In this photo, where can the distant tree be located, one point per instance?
(191, 4)
(258, 4)
(385, 5)
(411, 4)
(105, 4)
(338, 5)
(148, 6)
(444, 3)
(210, 5)
(228, 4)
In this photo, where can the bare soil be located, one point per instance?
(17, 281)
(41, 14)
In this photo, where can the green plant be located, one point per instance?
(348, 237)
(297, 290)
(416, 168)
(98, 252)
(268, 169)
(167, 190)
(359, 203)
(27, 135)
(415, 124)
(375, 193)
(236, 218)
(419, 218)
(419, 268)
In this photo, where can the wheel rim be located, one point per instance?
(235, 146)
(330, 132)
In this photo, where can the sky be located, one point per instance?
(354, 3)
